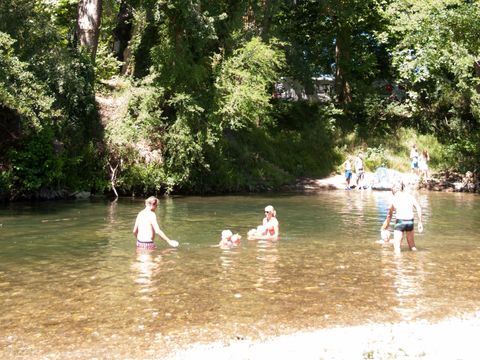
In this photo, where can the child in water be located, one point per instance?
(229, 239)
(385, 237)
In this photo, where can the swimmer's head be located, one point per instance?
(270, 210)
(226, 234)
(398, 186)
(236, 238)
(152, 200)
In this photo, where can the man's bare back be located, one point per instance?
(146, 226)
(403, 204)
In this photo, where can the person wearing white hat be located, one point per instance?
(269, 229)
(229, 239)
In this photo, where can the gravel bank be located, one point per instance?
(448, 339)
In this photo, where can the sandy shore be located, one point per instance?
(334, 182)
(446, 340)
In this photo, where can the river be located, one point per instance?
(72, 284)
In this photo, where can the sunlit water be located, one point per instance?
(73, 286)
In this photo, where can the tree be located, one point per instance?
(89, 18)
(436, 48)
(123, 29)
(332, 37)
(243, 84)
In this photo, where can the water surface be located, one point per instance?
(73, 286)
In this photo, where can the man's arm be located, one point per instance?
(386, 223)
(135, 228)
(418, 208)
(161, 233)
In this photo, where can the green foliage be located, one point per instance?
(106, 65)
(198, 114)
(47, 99)
(181, 59)
(375, 157)
(35, 165)
(261, 159)
(242, 85)
(307, 138)
(146, 135)
(436, 47)
(20, 90)
(143, 179)
(64, 16)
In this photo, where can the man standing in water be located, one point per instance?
(146, 226)
(403, 204)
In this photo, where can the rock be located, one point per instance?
(384, 178)
(81, 195)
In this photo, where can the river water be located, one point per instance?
(72, 284)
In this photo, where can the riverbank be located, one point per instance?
(448, 339)
(448, 181)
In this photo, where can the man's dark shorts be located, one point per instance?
(403, 225)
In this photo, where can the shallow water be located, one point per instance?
(73, 286)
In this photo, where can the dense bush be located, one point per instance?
(200, 110)
(47, 101)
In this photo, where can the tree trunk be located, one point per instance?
(267, 19)
(342, 59)
(476, 66)
(123, 31)
(88, 24)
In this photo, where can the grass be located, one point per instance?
(393, 151)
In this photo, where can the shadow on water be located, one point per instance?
(72, 283)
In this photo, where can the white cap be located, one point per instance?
(269, 208)
(226, 234)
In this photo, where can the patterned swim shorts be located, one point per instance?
(149, 245)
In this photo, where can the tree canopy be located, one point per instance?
(201, 89)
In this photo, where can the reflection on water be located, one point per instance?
(407, 279)
(267, 272)
(72, 284)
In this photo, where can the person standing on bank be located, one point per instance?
(423, 160)
(348, 172)
(414, 159)
(403, 204)
(146, 226)
(359, 171)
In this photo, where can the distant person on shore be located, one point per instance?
(414, 159)
(348, 172)
(146, 226)
(229, 239)
(403, 204)
(269, 228)
(423, 160)
(359, 171)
